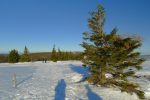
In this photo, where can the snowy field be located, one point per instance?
(60, 81)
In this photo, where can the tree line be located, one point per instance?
(54, 55)
(58, 55)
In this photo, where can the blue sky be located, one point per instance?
(39, 24)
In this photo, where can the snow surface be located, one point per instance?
(59, 81)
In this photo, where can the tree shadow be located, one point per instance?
(60, 90)
(91, 95)
(25, 79)
(80, 69)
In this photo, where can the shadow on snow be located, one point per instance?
(60, 90)
(25, 79)
(80, 69)
(91, 95)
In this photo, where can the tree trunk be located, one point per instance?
(103, 78)
(102, 75)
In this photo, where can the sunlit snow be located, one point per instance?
(60, 81)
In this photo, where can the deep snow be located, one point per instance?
(59, 81)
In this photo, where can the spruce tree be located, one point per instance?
(59, 55)
(63, 55)
(26, 51)
(26, 56)
(54, 57)
(13, 56)
(110, 54)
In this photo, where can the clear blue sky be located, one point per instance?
(39, 24)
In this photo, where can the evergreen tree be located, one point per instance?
(26, 51)
(71, 55)
(63, 56)
(110, 54)
(54, 57)
(66, 55)
(13, 56)
(59, 55)
(26, 56)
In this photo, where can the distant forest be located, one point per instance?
(39, 56)
(47, 55)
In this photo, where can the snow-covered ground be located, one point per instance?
(59, 81)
